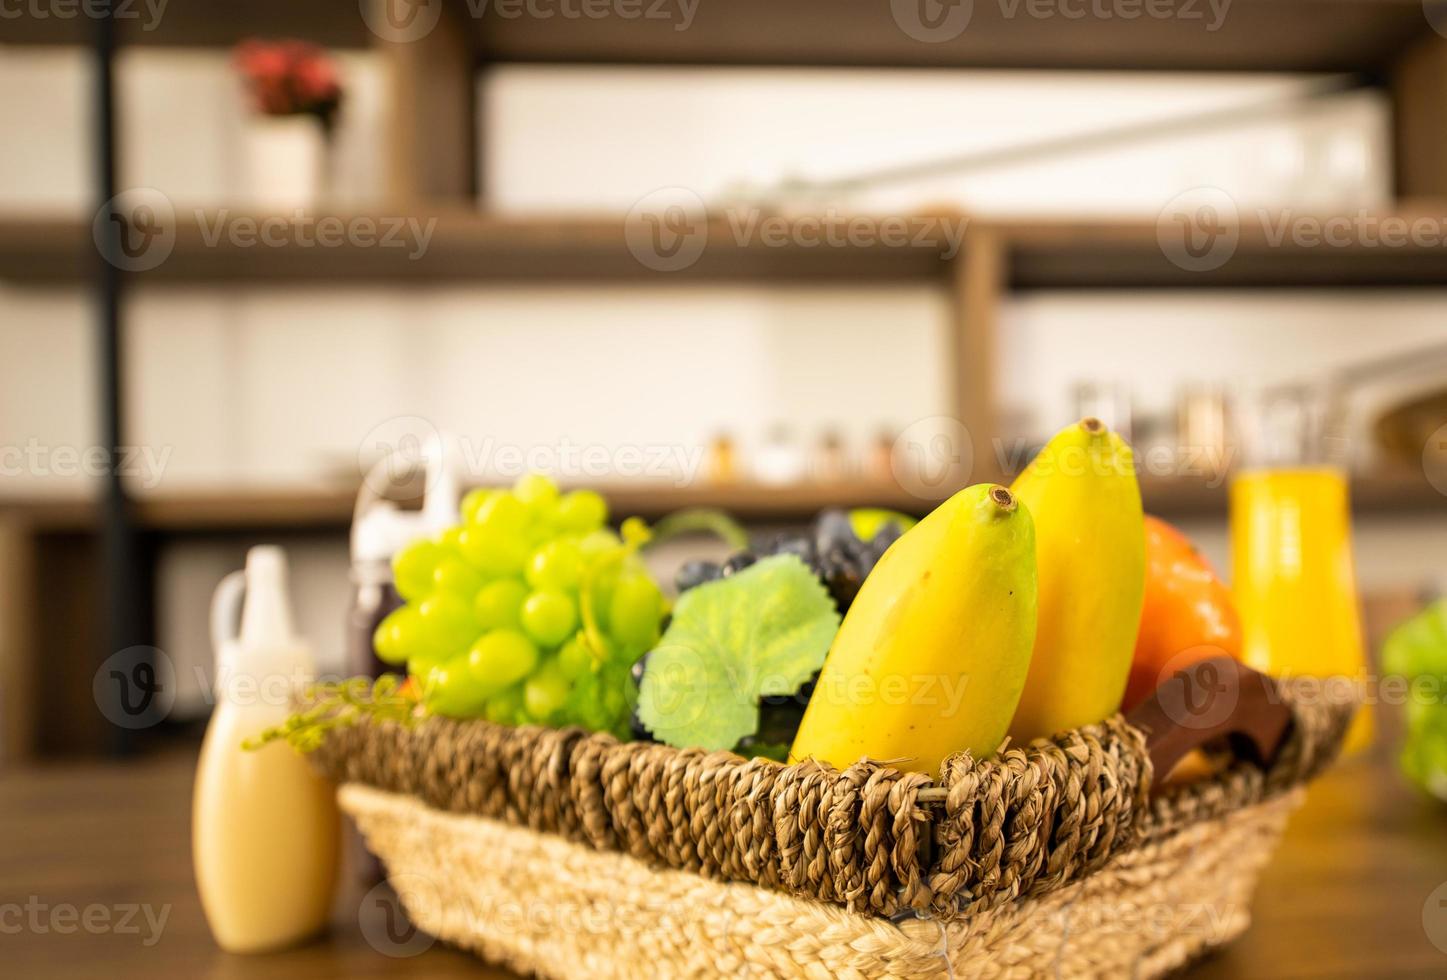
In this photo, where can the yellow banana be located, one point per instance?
(933, 653)
(1090, 550)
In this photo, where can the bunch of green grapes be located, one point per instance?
(531, 611)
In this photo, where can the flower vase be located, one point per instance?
(285, 162)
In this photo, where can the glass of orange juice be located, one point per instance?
(1291, 562)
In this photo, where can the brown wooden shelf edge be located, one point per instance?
(455, 243)
(1264, 35)
(330, 508)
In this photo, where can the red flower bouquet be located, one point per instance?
(288, 77)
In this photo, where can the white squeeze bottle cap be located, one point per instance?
(380, 528)
(267, 648)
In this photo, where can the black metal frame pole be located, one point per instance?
(118, 545)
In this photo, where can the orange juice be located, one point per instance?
(1292, 575)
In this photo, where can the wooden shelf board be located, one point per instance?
(1040, 253)
(323, 509)
(447, 245)
(1391, 492)
(203, 511)
(201, 23)
(1252, 35)
(1248, 35)
(1102, 254)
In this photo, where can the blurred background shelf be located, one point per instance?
(445, 245)
(464, 246)
(330, 510)
(1278, 35)
(1104, 254)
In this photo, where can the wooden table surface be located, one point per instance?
(1346, 896)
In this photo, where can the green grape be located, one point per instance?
(447, 622)
(412, 568)
(457, 577)
(549, 617)
(450, 540)
(614, 702)
(504, 706)
(597, 543)
(635, 610)
(556, 565)
(501, 658)
(499, 604)
(535, 489)
(502, 513)
(581, 511)
(574, 658)
(450, 690)
(545, 692)
(398, 636)
(493, 552)
(420, 665)
(473, 501)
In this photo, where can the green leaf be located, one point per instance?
(763, 631)
(1418, 647)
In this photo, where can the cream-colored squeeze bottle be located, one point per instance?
(264, 825)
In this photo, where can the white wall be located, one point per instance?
(571, 138)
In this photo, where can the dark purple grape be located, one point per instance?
(636, 671)
(833, 531)
(794, 544)
(636, 727)
(638, 730)
(695, 573)
(738, 563)
(879, 544)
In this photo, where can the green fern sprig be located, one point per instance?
(336, 705)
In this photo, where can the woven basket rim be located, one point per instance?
(868, 837)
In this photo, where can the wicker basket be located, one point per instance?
(565, 854)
